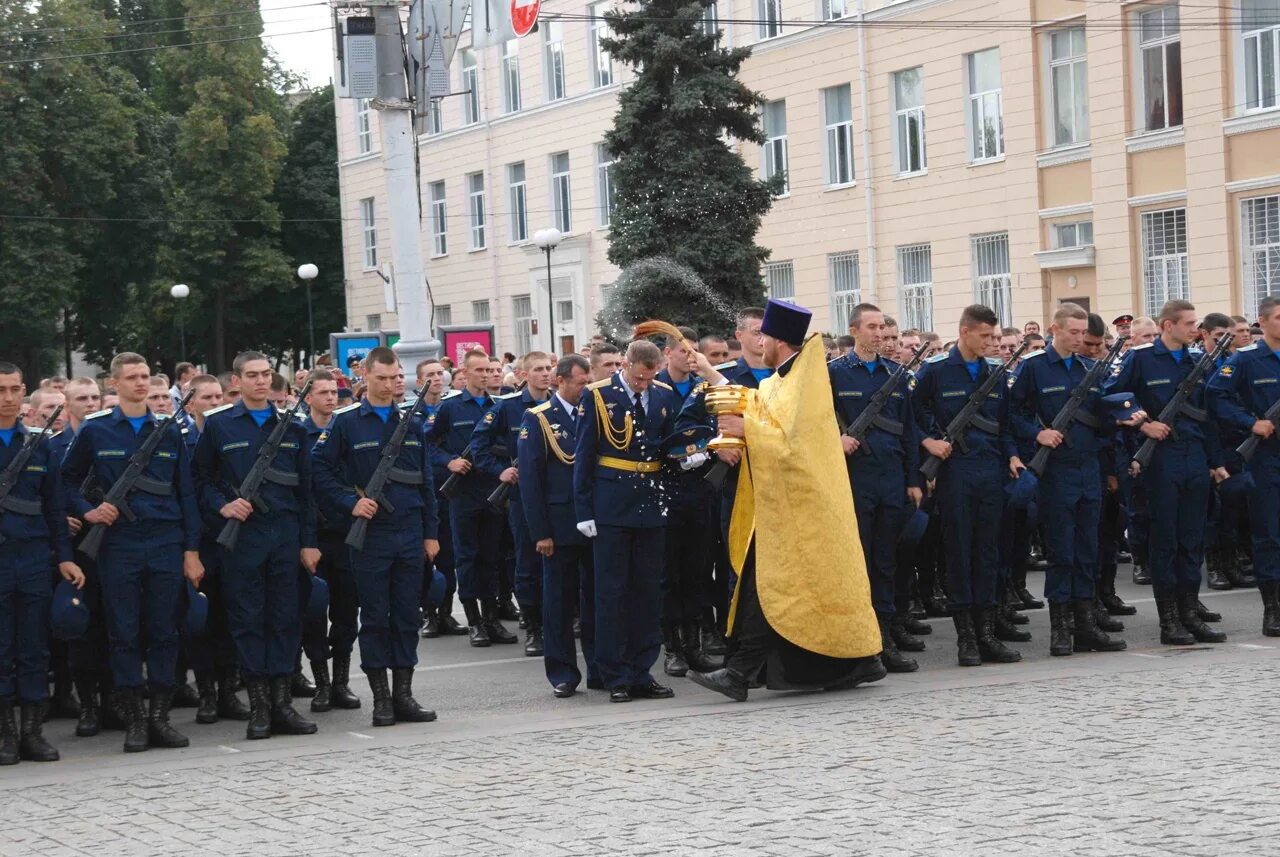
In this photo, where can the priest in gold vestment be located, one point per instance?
(801, 613)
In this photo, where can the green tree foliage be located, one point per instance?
(681, 192)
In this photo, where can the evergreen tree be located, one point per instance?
(681, 192)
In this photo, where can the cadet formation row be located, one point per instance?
(234, 536)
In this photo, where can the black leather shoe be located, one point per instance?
(916, 625)
(1124, 556)
(479, 636)
(1102, 618)
(1086, 635)
(902, 637)
(533, 640)
(430, 628)
(713, 642)
(1141, 576)
(894, 661)
(1006, 630)
(726, 681)
(32, 746)
(652, 690)
(259, 725)
(498, 634)
(451, 627)
(160, 731)
(507, 610)
(1027, 600)
(1270, 592)
(619, 694)
(406, 708)
(186, 696)
(674, 664)
(1205, 614)
(301, 686)
(564, 690)
(1189, 612)
(285, 719)
(990, 647)
(1115, 605)
(1172, 633)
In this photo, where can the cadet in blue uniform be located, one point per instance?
(33, 530)
(476, 527)
(1177, 482)
(1240, 394)
(619, 503)
(260, 576)
(144, 558)
(1070, 495)
(970, 483)
(885, 473)
(493, 444)
(388, 571)
(548, 436)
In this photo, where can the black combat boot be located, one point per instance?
(1215, 560)
(90, 722)
(159, 730)
(63, 704)
(915, 625)
(323, 700)
(1107, 592)
(430, 626)
(493, 613)
(894, 661)
(340, 695)
(477, 627)
(1244, 562)
(299, 684)
(1270, 590)
(902, 636)
(690, 640)
(285, 719)
(135, 720)
(405, 707)
(989, 646)
(259, 709)
(712, 641)
(1006, 630)
(1086, 635)
(673, 662)
(207, 685)
(184, 695)
(32, 746)
(229, 705)
(1009, 608)
(532, 639)
(1102, 618)
(728, 681)
(1189, 613)
(1205, 614)
(384, 713)
(1059, 629)
(449, 626)
(966, 639)
(114, 717)
(1018, 579)
(8, 733)
(1141, 574)
(1172, 633)
(507, 609)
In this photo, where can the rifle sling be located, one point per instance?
(279, 477)
(19, 506)
(1086, 419)
(885, 424)
(981, 423)
(155, 487)
(406, 477)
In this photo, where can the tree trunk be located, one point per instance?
(219, 330)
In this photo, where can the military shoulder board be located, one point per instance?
(347, 408)
(1031, 354)
(937, 358)
(504, 396)
(664, 385)
(1253, 347)
(597, 385)
(218, 410)
(96, 414)
(449, 394)
(724, 366)
(995, 361)
(1142, 346)
(537, 409)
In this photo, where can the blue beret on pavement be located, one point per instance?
(1022, 491)
(69, 613)
(197, 614)
(786, 321)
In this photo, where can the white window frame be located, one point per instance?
(553, 69)
(1253, 36)
(1260, 258)
(904, 131)
(1169, 37)
(780, 280)
(439, 219)
(838, 140)
(470, 87)
(711, 20)
(1165, 269)
(1078, 135)
(518, 200)
(476, 211)
(602, 72)
(774, 157)
(443, 314)
(992, 278)
(434, 117)
(834, 10)
(605, 199)
(369, 233)
(523, 317)
(364, 126)
(982, 102)
(915, 286)
(845, 287)
(768, 19)
(480, 312)
(1077, 233)
(511, 102)
(561, 194)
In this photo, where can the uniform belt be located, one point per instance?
(887, 425)
(983, 424)
(21, 507)
(1087, 419)
(629, 466)
(153, 486)
(279, 477)
(406, 477)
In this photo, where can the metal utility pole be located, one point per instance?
(395, 122)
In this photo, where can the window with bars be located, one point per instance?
(775, 146)
(522, 314)
(470, 87)
(1161, 84)
(846, 291)
(518, 200)
(604, 184)
(561, 197)
(1260, 231)
(439, 220)
(479, 311)
(769, 19)
(1164, 258)
(1260, 45)
(992, 285)
(553, 53)
(511, 76)
(435, 116)
(908, 105)
(1069, 86)
(1078, 234)
(444, 315)
(780, 280)
(986, 109)
(373, 321)
(475, 209)
(601, 62)
(838, 114)
(915, 286)
(369, 228)
(364, 129)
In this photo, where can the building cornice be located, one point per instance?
(1246, 185)
(1259, 121)
(1162, 139)
(1066, 210)
(1065, 155)
(1158, 198)
(360, 159)
(1066, 257)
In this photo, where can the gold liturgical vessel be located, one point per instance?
(730, 399)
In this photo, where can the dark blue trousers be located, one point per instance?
(568, 582)
(323, 638)
(628, 576)
(880, 501)
(971, 503)
(445, 561)
(260, 580)
(91, 653)
(25, 593)
(214, 648)
(1070, 504)
(686, 567)
(528, 581)
(141, 573)
(1177, 492)
(388, 575)
(1264, 516)
(477, 538)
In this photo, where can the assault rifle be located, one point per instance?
(1071, 412)
(870, 415)
(1178, 405)
(386, 471)
(9, 478)
(1250, 446)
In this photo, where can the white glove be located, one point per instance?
(693, 462)
(587, 528)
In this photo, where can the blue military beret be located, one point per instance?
(687, 442)
(69, 612)
(1236, 485)
(436, 588)
(1122, 405)
(1022, 491)
(318, 598)
(913, 530)
(197, 614)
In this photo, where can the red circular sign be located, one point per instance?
(524, 14)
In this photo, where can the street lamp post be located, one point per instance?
(180, 292)
(307, 273)
(548, 240)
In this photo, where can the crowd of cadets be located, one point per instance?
(579, 489)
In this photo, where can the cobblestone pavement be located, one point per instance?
(1154, 751)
